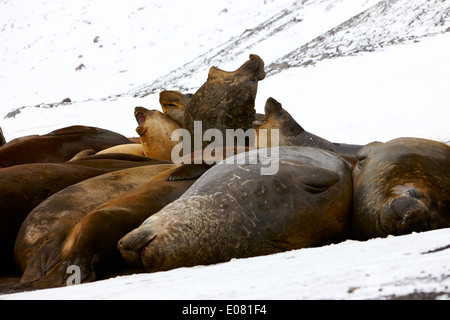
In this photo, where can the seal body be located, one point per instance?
(92, 243)
(232, 211)
(226, 100)
(129, 148)
(58, 146)
(2, 138)
(23, 187)
(401, 186)
(38, 245)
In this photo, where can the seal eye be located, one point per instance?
(360, 164)
(413, 193)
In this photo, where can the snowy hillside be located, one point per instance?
(349, 71)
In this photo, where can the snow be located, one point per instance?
(377, 71)
(394, 266)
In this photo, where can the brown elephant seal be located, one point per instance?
(225, 101)
(23, 187)
(92, 246)
(290, 133)
(40, 238)
(155, 130)
(129, 148)
(233, 211)
(401, 186)
(174, 103)
(58, 146)
(2, 138)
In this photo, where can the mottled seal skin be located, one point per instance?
(38, 245)
(233, 211)
(292, 134)
(58, 146)
(155, 130)
(401, 186)
(92, 242)
(174, 103)
(226, 100)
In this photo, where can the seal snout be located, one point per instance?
(410, 211)
(272, 107)
(133, 245)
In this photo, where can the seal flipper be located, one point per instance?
(188, 172)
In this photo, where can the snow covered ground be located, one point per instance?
(349, 71)
(379, 268)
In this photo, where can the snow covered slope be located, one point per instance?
(324, 59)
(350, 71)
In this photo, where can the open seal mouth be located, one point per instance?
(140, 117)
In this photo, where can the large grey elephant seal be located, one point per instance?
(401, 186)
(232, 211)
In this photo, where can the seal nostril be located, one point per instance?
(413, 193)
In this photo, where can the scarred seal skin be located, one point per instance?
(226, 100)
(401, 186)
(233, 211)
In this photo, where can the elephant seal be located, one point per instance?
(129, 148)
(225, 101)
(2, 138)
(38, 245)
(290, 133)
(401, 186)
(232, 211)
(58, 146)
(174, 104)
(155, 130)
(93, 247)
(23, 187)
